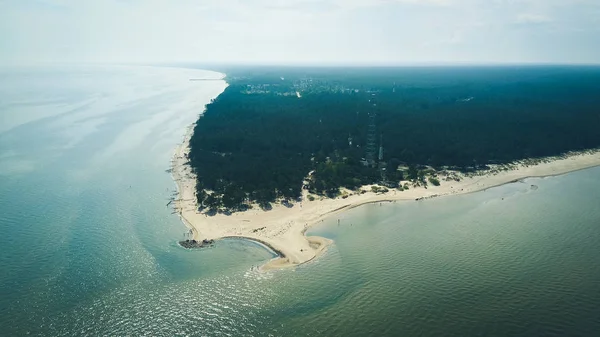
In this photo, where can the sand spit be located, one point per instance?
(282, 229)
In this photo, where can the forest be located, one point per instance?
(259, 140)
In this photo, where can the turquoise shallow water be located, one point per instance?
(88, 246)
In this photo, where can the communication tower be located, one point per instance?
(382, 164)
(381, 148)
(371, 137)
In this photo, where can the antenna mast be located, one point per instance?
(371, 136)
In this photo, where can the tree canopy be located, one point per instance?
(261, 137)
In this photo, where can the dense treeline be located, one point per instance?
(258, 141)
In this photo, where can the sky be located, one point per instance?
(386, 32)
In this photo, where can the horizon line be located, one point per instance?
(186, 64)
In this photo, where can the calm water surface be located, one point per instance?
(88, 246)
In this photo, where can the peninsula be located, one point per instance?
(274, 155)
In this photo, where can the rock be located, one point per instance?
(189, 244)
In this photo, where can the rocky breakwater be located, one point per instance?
(189, 244)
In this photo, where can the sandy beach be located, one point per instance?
(283, 228)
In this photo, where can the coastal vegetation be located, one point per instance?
(275, 132)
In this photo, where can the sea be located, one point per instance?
(88, 244)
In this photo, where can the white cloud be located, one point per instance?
(281, 31)
(532, 18)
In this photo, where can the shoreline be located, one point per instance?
(283, 229)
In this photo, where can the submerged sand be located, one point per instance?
(283, 228)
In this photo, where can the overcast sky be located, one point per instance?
(300, 31)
